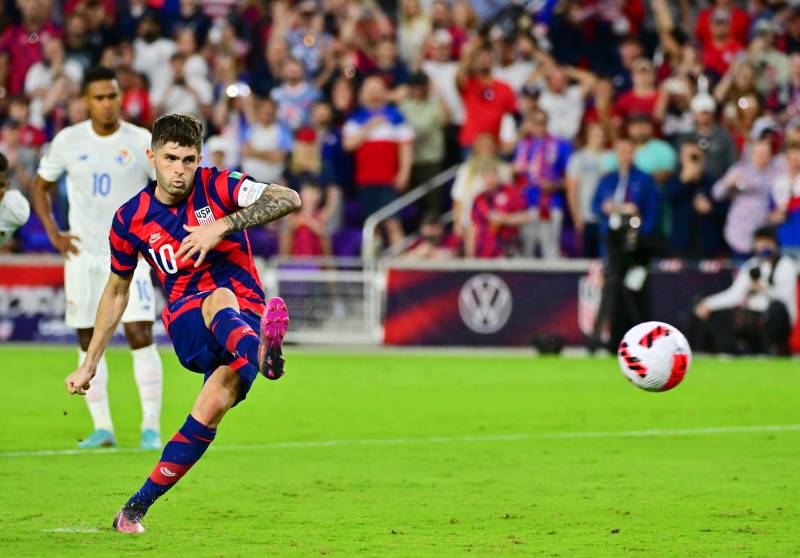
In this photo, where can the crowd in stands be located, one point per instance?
(559, 113)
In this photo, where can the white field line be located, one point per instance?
(652, 433)
(72, 530)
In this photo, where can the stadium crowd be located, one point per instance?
(561, 114)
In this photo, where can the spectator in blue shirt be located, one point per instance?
(627, 191)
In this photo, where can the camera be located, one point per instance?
(755, 274)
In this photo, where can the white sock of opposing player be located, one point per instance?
(97, 395)
(148, 372)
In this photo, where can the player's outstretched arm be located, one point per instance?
(275, 202)
(112, 305)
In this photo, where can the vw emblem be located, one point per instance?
(485, 303)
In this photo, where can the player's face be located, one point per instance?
(104, 101)
(175, 166)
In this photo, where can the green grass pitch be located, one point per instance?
(418, 455)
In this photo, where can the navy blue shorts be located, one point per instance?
(196, 347)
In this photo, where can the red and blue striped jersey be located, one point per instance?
(144, 225)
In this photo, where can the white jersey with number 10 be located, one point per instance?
(103, 172)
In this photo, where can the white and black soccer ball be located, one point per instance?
(654, 356)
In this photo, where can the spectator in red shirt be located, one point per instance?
(486, 100)
(29, 135)
(739, 22)
(497, 215)
(21, 44)
(642, 97)
(722, 47)
(381, 140)
(306, 232)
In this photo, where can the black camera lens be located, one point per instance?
(755, 274)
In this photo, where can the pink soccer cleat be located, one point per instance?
(123, 524)
(274, 322)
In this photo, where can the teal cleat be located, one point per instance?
(151, 440)
(100, 438)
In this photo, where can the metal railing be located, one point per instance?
(368, 250)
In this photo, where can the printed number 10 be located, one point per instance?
(166, 262)
(101, 185)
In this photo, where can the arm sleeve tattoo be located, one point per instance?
(275, 202)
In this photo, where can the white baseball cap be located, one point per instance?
(703, 102)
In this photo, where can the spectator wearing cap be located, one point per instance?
(687, 195)
(653, 156)
(563, 98)
(217, 152)
(673, 109)
(486, 99)
(585, 168)
(21, 44)
(426, 114)
(382, 143)
(721, 48)
(515, 62)
(540, 162)
(772, 64)
(627, 190)
(718, 147)
(266, 144)
(756, 313)
(295, 96)
(747, 185)
(735, 16)
(786, 202)
(642, 97)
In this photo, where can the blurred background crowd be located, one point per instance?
(562, 116)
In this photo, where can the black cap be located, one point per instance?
(767, 233)
(418, 78)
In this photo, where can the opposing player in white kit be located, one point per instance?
(105, 163)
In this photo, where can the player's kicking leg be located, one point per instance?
(263, 349)
(224, 388)
(220, 392)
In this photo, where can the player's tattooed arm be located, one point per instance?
(274, 203)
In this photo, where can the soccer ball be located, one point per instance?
(654, 356)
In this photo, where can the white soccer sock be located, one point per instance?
(148, 372)
(97, 395)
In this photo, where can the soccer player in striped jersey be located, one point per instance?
(189, 225)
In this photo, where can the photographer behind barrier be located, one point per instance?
(628, 207)
(757, 312)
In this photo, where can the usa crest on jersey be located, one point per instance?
(204, 215)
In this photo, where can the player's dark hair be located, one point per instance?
(97, 73)
(183, 129)
(3, 163)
